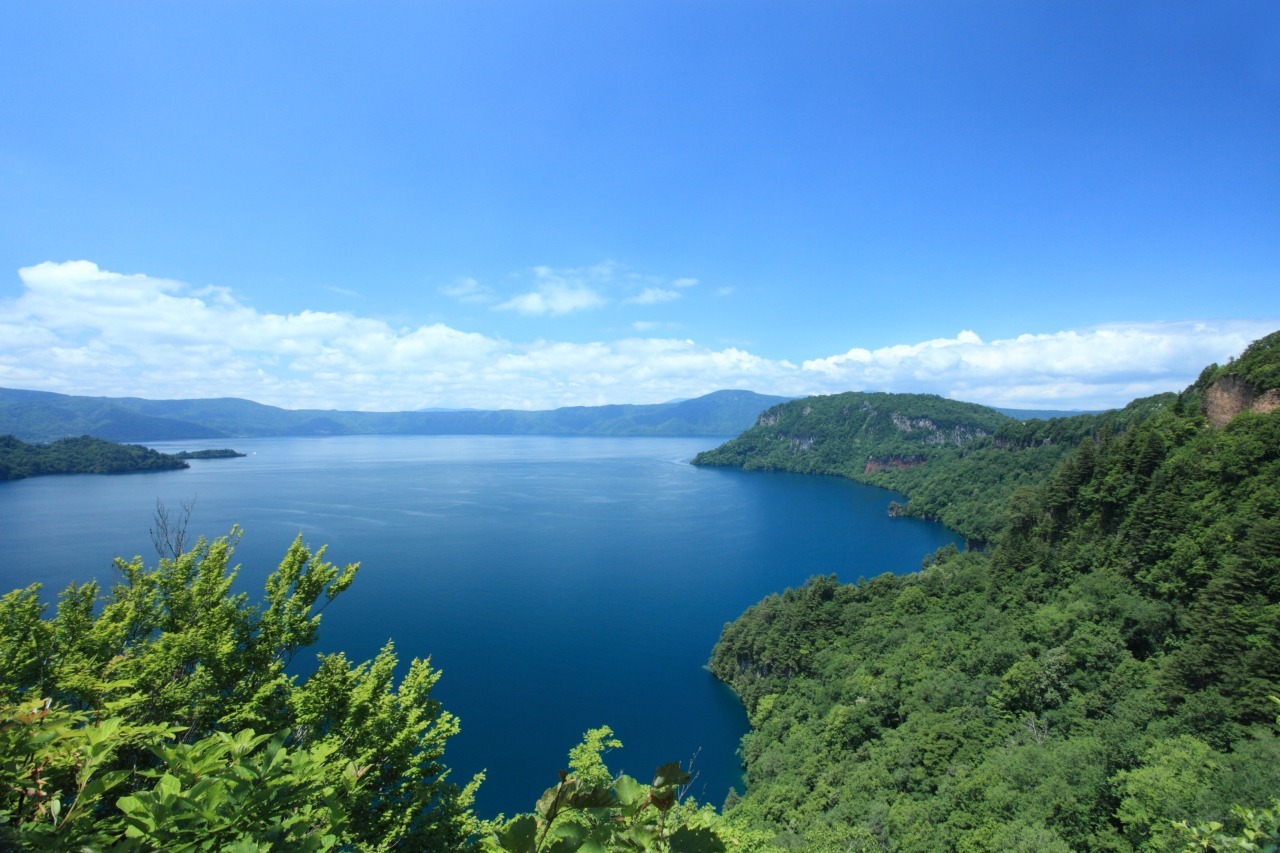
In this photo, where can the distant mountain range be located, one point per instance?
(41, 416)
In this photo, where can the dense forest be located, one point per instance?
(959, 463)
(216, 453)
(1102, 673)
(83, 455)
(1100, 676)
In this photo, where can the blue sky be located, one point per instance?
(531, 204)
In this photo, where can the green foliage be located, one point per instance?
(958, 463)
(83, 455)
(1096, 678)
(586, 760)
(246, 790)
(57, 773)
(222, 453)
(1258, 365)
(1259, 831)
(131, 744)
(593, 812)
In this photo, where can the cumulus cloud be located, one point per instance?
(78, 329)
(1102, 366)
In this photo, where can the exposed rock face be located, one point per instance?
(801, 443)
(935, 434)
(1231, 395)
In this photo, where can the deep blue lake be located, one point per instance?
(558, 583)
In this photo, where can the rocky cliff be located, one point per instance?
(1230, 395)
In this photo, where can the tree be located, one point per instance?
(161, 714)
(169, 533)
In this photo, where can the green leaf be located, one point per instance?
(551, 800)
(662, 799)
(629, 791)
(520, 835)
(670, 774)
(592, 798)
(168, 785)
(701, 840)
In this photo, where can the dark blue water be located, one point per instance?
(559, 583)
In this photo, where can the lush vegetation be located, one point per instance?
(1099, 676)
(221, 453)
(158, 715)
(43, 416)
(958, 463)
(1258, 367)
(83, 455)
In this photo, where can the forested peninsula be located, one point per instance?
(958, 463)
(1100, 675)
(83, 455)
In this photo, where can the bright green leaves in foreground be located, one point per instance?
(160, 716)
(592, 812)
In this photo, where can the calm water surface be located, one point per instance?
(558, 583)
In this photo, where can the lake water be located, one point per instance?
(559, 583)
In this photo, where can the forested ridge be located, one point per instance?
(1100, 673)
(83, 455)
(958, 463)
(1100, 677)
(45, 416)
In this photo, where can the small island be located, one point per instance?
(222, 453)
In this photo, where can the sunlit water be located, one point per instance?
(558, 583)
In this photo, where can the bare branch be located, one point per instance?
(169, 533)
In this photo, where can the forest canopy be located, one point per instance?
(83, 455)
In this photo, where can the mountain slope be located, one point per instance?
(956, 462)
(43, 416)
(1100, 674)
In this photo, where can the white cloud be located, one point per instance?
(468, 290)
(1102, 366)
(78, 329)
(554, 299)
(652, 296)
(562, 291)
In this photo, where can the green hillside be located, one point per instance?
(42, 416)
(957, 463)
(1101, 673)
(83, 455)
